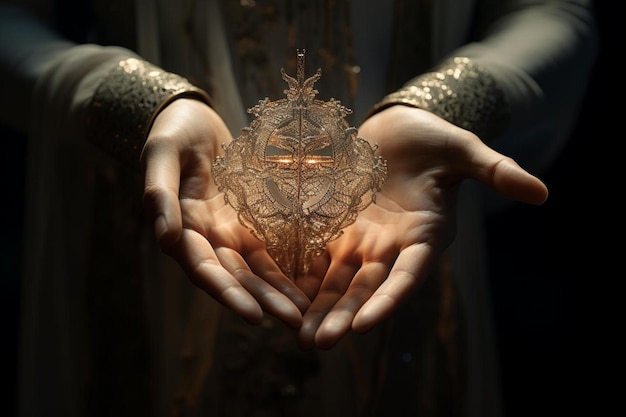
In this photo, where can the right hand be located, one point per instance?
(387, 253)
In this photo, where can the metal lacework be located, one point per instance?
(299, 174)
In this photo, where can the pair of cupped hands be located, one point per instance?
(363, 276)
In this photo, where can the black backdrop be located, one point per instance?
(556, 266)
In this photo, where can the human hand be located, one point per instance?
(389, 250)
(194, 225)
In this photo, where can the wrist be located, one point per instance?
(186, 124)
(458, 91)
(126, 103)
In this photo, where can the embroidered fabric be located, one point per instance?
(126, 103)
(460, 92)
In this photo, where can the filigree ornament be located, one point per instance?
(299, 174)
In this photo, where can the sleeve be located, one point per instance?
(106, 94)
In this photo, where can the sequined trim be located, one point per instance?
(458, 91)
(126, 103)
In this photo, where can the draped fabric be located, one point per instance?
(112, 327)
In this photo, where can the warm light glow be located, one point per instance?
(309, 160)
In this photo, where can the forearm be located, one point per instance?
(541, 56)
(108, 96)
(527, 74)
(44, 73)
(27, 49)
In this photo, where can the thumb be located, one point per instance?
(514, 182)
(160, 198)
(163, 208)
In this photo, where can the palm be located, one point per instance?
(384, 256)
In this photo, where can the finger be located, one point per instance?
(311, 282)
(200, 263)
(161, 187)
(412, 265)
(270, 298)
(264, 266)
(338, 321)
(334, 286)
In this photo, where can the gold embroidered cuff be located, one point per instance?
(126, 103)
(458, 91)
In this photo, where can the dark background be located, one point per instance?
(559, 262)
(556, 266)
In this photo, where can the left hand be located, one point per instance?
(385, 255)
(194, 225)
